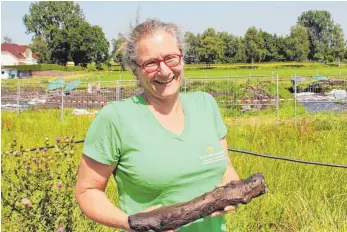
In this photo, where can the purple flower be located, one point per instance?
(60, 229)
(45, 149)
(57, 139)
(26, 202)
(59, 185)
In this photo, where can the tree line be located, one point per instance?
(62, 34)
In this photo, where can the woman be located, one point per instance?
(163, 147)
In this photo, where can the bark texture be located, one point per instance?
(174, 216)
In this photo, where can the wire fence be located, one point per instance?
(229, 149)
(242, 93)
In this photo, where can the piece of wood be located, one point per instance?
(173, 216)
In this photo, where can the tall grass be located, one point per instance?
(300, 198)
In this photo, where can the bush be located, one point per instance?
(43, 67)
(103, 67)
(37, 186)
(91, 66)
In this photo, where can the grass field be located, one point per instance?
(284, 70)
(300, 198)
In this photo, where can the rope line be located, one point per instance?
(288, 159)
(243, 152)
(48, 147)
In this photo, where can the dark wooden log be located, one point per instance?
(173, 216)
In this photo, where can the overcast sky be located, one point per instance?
(232, 17)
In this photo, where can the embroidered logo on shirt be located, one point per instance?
(212, 156)
(209, 149)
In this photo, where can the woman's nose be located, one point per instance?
(164, 69)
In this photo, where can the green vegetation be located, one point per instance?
(62, 34)
(285, 70)
(301, 198)
(315, 36)
(44, 67)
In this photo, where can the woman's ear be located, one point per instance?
(134, 73)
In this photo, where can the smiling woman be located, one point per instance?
(162, 147)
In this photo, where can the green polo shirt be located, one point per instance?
(156, 166)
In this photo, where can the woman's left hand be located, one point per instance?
(226, 209)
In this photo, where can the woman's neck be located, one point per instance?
(163, 106)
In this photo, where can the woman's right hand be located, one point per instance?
(148, 210)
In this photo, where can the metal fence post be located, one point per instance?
(62, 102)
(18, 94)
(117, 90)
(185, 85)
(295, 90)
(278, 98)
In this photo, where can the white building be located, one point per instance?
(14, 54)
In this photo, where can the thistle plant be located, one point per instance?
(37, 185)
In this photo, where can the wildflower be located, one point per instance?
(57, 139)
(59, 185)
(45, 149)
(60, 229)
(26, 202)
(28, 168)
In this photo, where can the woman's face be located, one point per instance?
(165, 82)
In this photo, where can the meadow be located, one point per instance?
(284, 70)
(301, 197)
(38, 186)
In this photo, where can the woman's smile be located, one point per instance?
(165, 82)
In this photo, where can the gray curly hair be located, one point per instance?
(144, 30)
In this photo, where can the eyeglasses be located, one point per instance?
(152, 65)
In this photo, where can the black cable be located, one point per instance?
(288, 159)
(245, 152)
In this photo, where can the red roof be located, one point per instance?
(16, 50)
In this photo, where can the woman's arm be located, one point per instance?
(230, 173)
(90, 193)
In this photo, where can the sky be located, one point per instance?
(233, 17)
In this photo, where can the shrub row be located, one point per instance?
(43, 67)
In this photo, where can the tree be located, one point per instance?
(298, 45)
(254, 45)
(209, 32)
(89, 44)
(40, 48)
(320, 26)
(117, 52)
(270, 47)
(68, 36)
(7, 40)
(337, 44)
(192, 44)
(211, 49)
(240, 56)
(229, 45)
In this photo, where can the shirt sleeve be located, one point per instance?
(221, 129)
(102, 142)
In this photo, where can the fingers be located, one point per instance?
(230, 207)
(217, 213)
(152, 208)
(226, 209)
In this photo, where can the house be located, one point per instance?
(14, 54)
